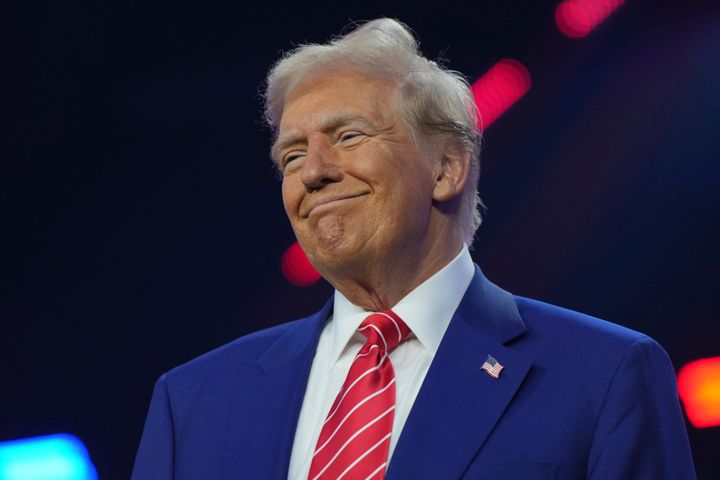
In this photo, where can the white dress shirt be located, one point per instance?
(427, 310)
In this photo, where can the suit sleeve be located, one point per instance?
(155, 456)
(640, 433)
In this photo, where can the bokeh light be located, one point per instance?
(297, 268)
(577, 18)
(699, 388)
(499, 88)
(52, 457)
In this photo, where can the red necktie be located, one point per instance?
(355, 438)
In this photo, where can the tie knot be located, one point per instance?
(384, 329)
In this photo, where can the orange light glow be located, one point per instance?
(699, 388)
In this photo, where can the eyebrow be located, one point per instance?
(329, 123)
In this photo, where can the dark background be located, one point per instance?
(142, 223)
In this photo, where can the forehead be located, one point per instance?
(345, 94)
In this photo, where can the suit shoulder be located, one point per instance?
(571, 327)
(239, 354)
(571, 348)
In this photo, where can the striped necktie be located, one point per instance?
(355, 438)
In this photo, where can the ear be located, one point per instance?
(452, 172)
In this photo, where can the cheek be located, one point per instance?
(411, 201)
(290, 197)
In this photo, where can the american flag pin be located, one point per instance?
(492, 367)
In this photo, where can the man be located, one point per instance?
(419, 367)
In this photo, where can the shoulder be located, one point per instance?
(564, 324)
(237, 358)
(562, 338)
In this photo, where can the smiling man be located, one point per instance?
(363, 198)
(418, 367)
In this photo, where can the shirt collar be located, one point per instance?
(427, 310)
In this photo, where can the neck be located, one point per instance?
(381, 282)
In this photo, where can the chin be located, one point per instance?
(335, 243)
(336, 255)
(330, 236)
(331, 251)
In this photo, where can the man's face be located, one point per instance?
(355, 186)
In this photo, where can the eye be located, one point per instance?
(290, 156)
(351, 136)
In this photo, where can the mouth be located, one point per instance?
(329, 202)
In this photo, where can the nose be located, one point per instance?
(321, 166)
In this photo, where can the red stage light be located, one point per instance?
(577, 18)
(296, 267)
(699, 388)
(499, 89)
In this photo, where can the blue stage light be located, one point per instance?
(53, 457)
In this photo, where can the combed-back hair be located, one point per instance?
(436, 103)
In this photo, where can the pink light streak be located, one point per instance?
(498, 89)
(577, 18)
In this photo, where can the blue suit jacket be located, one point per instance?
(577, 398)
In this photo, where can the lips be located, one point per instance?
(328, 200)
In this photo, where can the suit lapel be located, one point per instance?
(459, 403)
(277, 393)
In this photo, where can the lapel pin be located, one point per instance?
(492, 367)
